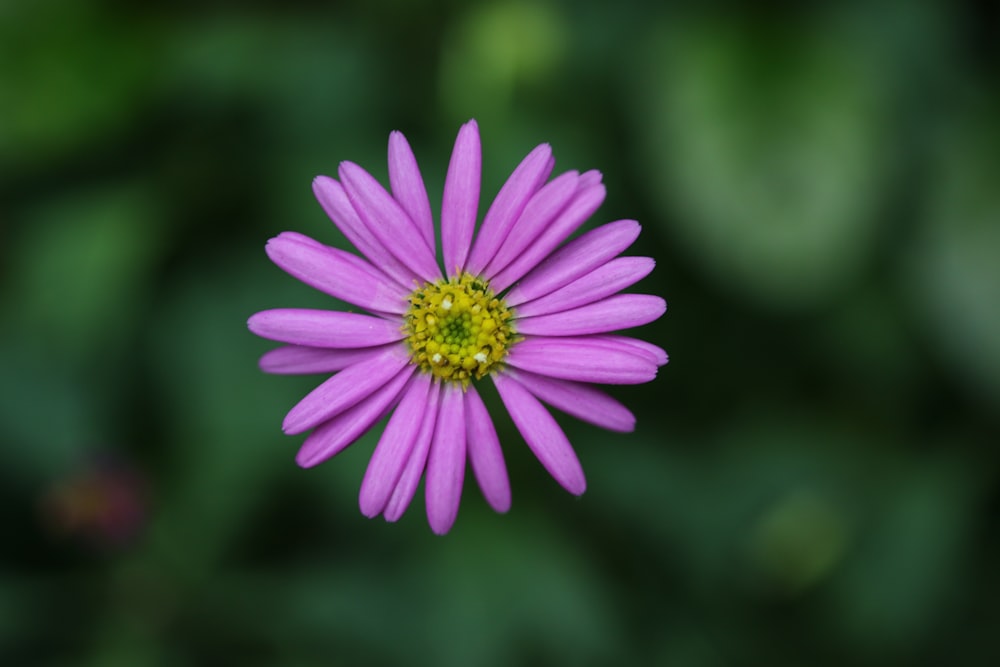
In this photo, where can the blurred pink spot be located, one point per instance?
(103, 502)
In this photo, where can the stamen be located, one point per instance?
(457, 329)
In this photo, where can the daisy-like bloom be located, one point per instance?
(515, 303)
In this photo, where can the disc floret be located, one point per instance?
(457, 329)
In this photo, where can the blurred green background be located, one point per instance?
(813, 479)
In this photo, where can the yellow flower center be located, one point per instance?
(457, 330)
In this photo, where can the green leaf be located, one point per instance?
(766, 148)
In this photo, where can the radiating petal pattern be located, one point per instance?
(344, 390)
(332, 197)
(388, 222)
(542, 433)
(575, 259)
(336, 272)
(603, 281)
(394, 447)
(333, 435)
(584, 203)
(508, 205)
(582, 401)
(514, 302)
(417, 460)
(544, 207)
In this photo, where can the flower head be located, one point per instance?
(515, 303)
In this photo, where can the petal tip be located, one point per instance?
(253, 322)
(368, 509)
(346, 169)
(441, 527)
(303, 460)
(291, 428)
(320, 184)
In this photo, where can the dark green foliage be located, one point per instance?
(813, 479)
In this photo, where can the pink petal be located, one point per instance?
(575, 259)
(543, 207)
(414, 469)
(589, 179)
(580, 400)
(460, 204)
(324, 328)
(485, 454)
(542, 434)
(388, 222)
(408, 186)
(621, 311)
(344, 390)
(582, 359)
(634, 346)
(508, 205)
(603, 281)
(585, 202)
(338, 273)
(338, 207)
(446, 462)
(332, 436)
(394, 447)
(301, 360)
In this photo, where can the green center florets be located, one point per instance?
(457, 330)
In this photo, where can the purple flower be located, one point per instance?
(515, 304)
